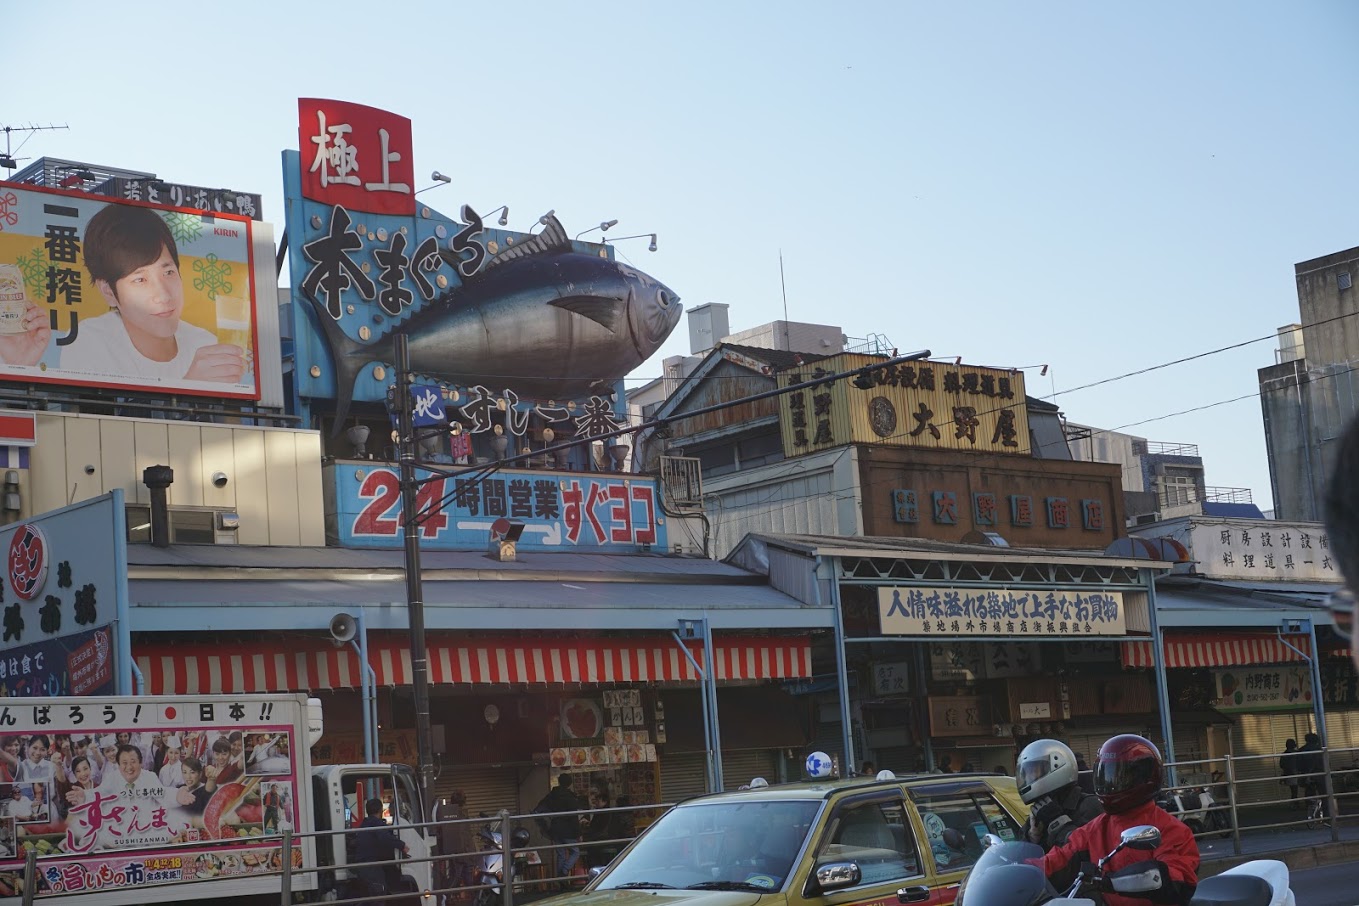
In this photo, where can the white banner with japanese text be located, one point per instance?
(992, 612)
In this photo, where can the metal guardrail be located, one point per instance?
(1322, 804)
(1320, 801)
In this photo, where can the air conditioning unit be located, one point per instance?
(681, 480)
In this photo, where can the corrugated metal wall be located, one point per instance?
(815, 495)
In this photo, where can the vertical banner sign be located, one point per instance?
(62, 579)
(100, 293)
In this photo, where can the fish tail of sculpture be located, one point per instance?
(348, 356)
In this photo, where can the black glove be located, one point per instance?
(1046, 810)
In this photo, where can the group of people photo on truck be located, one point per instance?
(85, 793)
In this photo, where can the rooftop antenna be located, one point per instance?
(7, 160)
(784, 285)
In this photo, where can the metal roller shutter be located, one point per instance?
(739, 768)
(488, 789)
(683, 775)
(1265, 734)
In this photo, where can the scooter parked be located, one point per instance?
(1198, 809)
(490, 871)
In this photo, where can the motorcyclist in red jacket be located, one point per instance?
(1128, 776)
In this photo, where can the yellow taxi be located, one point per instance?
(853, 842)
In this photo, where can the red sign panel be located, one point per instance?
(19, 429)
(27, 561)
(356, 156)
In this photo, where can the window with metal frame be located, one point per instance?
(875, 834)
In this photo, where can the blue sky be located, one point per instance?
(1098, 187)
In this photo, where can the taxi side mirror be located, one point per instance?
(831, 876)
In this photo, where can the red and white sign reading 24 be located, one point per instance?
(580, 511)
(356, 156)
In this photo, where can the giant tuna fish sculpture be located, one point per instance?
(539, 318)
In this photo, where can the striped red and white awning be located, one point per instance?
(1219, 650)
(306, 665)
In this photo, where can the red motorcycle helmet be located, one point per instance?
(1128, 772)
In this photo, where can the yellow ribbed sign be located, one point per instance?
(916, 404)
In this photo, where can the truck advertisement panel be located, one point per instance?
(118, 294)
(120, 793)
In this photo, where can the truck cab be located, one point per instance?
(338, 794)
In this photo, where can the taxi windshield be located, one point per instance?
(732, 845)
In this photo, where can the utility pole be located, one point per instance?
(415, 601)
(411, 519)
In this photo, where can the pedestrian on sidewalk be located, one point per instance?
(563, 830)
(1311, 767)
(1288, 770)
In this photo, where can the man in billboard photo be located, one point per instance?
(134, 262)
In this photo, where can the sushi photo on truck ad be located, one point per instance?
(123, 792)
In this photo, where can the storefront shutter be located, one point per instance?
(488, 789)
(1265, 734)
(739, 768)
(683, 775)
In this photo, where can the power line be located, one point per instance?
(847, 493)
(1056, 393)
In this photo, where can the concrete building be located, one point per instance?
(1309, 394)
(1160, 480)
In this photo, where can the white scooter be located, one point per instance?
(490, 873)
(1010, 874)
(1262, 882)
(1198, 809)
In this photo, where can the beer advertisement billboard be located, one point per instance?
(111, 294)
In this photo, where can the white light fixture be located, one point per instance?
(604, 225)
(651, 236)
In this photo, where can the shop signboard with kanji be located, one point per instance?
(1286, 688)
(932, 405)
(63, 576)
(559, 511)
(114, 294)
(989, 613)
(960, 715)
(1288, 551)
(524, 335)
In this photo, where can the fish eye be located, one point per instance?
(662, 298)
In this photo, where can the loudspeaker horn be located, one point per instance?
(343, 627)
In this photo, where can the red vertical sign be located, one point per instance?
(356, 156)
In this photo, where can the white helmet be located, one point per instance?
(1044, 768)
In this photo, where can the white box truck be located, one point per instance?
(172, 799)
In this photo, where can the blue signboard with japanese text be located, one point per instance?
(64, 582)
(560, 510)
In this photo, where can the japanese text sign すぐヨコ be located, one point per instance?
(356, 156)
